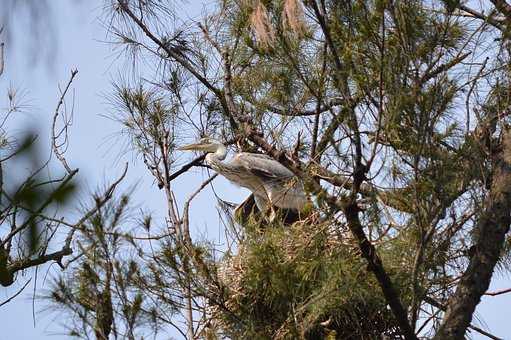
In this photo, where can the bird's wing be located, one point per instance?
(262, 166)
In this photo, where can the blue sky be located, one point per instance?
(97, 148)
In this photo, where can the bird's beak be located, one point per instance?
(192, 147)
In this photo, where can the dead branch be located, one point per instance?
(498, 292)
(54, 135)
(16, 294)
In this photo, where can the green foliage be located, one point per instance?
(105, 284)
(27, 198)
(304, 281)
(397, 94)
(146, 113)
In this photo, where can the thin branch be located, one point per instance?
(503, 7)
(17, 293)
(442, 307)
(2, 58)
(54, 137)
(173, 52)
(186, 208)
(498, 292)
(296, 112)
(188, 243)
(430, 74)
(39, 210)
(318, 112)
(186, 167)
(29, 262)
(485, 18)
(1, 53)
(228, 94)
(99, 203)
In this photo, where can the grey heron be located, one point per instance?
(271, 183)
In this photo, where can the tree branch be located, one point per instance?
(503, 7)
(174, 53)
(27, 222)
(375, 265)
(16, 294)
(442, 307)
(54, 137)
(351, 211)
(186, 167)
(485, 18)
(498, 292)
(29, 262)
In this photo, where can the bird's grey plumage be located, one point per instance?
(270, 182)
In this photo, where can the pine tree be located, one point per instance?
(395, 116)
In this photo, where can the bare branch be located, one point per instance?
(25, 224)
(186, 208)
(486, 18)
(186, 167)
(499, 292)
(503, 7)
(107, 195)
(16, 294)
(2, 58)
(54, 136)
(29, 262)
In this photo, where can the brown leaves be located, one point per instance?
(293, 22)
(293, 17)
(261, 24)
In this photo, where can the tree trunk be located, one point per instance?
(490, 231)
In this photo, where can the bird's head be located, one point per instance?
(204, 144)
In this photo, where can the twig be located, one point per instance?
(485, 18)
(442, 68)
(39, 210)
(1, 54)
(381, 84)
(442, 307)
(1, 58)
(498, 292)
(58, 154)
(186, 207)
(99, 203)
(471, 89)
(173, 52)
(17, 293)
(27, 263)
(186, 167)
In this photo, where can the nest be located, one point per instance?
(300, 281)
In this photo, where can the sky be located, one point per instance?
(97, 149)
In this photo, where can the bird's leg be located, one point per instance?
(271, 208)
(273, 213)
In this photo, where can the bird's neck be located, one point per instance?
(217, 156)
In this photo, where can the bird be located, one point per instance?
(272, 184)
